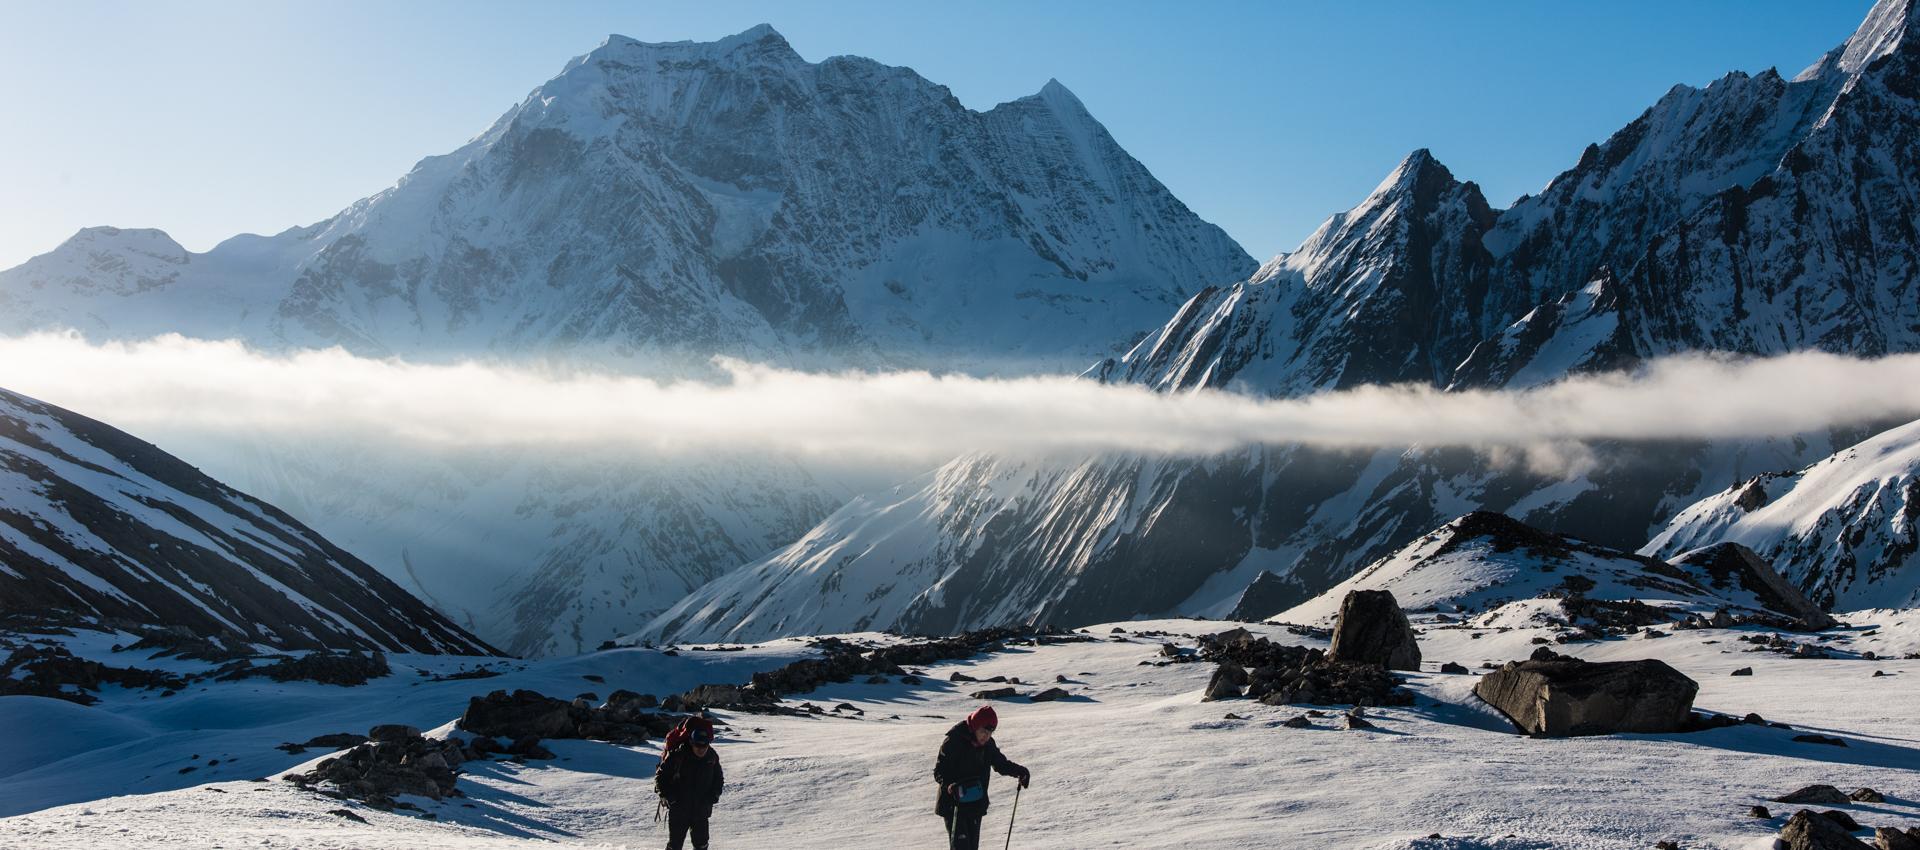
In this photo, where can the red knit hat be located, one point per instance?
(983, 718)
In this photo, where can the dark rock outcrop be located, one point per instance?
(1227, 682)
(391, 765)
(1565, 696)
(1731, 564)
(1265, 596)
(1810, 831)
(1279, 674)
(1373, 630)
(1817, 795)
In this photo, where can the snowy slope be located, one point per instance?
(1842, 529)
(1483, 561)
(1134, 760)
(1757, 215)
(97, 524)
(650, 207)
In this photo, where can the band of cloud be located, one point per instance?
(175, 383)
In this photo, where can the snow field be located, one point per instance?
(1133, 760)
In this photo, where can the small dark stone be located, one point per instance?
(1049, 695)
(995, 693)
(343, 813)
(1759, 812)
(1866, 795)
(1820, 739)
(1744, 671)
(1456, 669)
(1298, 721)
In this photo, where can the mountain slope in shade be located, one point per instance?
(1481, 564)
(1846, 530)
(97, 523)
(1739, 217)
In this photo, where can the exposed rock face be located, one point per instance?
(104, 525)
(1842, 529)
(1572, 697)
(1265, 596)
(1373, 630)
(1731, 564)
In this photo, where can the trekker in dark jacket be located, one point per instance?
(962, 771)
(689, 779)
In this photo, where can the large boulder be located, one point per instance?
(1373, 630)
(1810, 831)
(1226, 683)
(1567, 696)
(519, 715)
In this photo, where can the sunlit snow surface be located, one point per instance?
(1134, 760)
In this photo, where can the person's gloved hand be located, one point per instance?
(954, 790)
(1026, 776)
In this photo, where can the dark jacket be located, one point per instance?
(962, 763)
(690, 784)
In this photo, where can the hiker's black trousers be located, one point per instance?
(679, 824)
(963, 830)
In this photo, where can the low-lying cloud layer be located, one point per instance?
(174, 384)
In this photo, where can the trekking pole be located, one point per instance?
(1016, 813)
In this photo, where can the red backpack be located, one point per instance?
(680, 734)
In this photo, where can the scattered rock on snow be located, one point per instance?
(1049, 695)
(1828, 740)
(1744, 671)
(995, 693)
(1759, 812)
(1456, 669)
(1298, 721)
(1866, 795)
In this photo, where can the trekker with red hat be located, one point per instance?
(962, 771)
(689, 781)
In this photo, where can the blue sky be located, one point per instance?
(210, 119)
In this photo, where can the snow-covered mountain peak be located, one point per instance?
(1886, 28)
(145, 241)
(759, 42)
